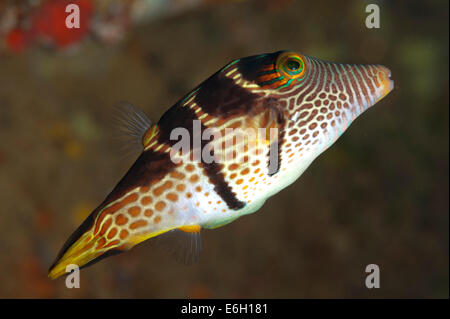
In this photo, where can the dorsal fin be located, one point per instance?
(132, 123)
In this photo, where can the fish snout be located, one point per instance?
(386, 84)
(365, 85)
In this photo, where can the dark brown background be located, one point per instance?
(379, 195)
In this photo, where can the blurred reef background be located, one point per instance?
(379, 195)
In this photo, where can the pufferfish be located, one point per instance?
(307, 102)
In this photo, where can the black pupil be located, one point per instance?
(293, 65)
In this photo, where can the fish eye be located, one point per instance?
(291, 65)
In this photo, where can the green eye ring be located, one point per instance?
(291, 65)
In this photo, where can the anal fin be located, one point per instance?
(184, 243)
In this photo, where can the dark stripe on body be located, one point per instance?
(221, 187)
(220, 96)
(176, 116)
(182, 116)
(250, 67)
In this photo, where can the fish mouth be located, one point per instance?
(387, 84)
